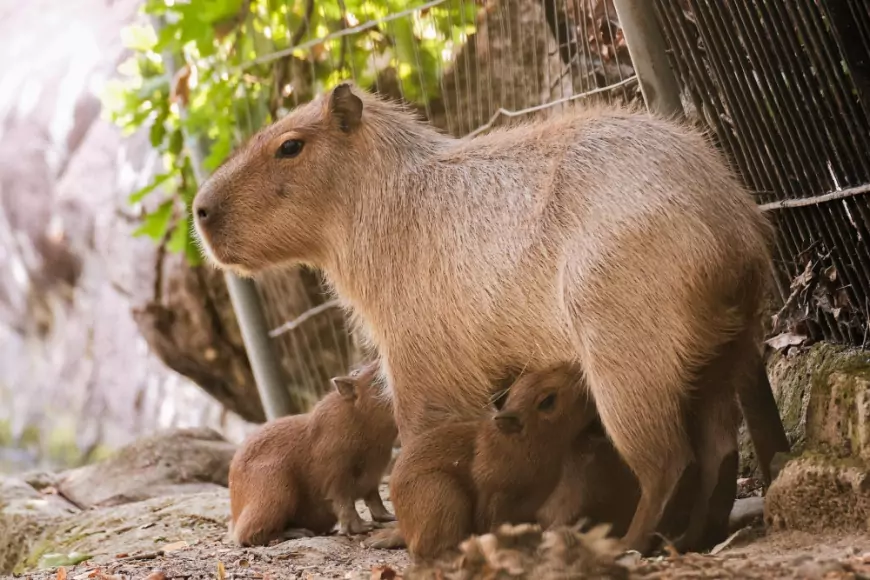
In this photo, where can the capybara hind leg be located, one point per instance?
(648, 432)
(261, 526)
(722, 503)
(760, 411)
(377, 508)
(655, 491)
(713, 422)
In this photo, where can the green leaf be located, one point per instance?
(176, 142)
(158, 131)
(180, 237)
(155, 183)
(157, 222)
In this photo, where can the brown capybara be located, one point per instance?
(610, 237)
(305, 472)
(597, 487)
(469, 477)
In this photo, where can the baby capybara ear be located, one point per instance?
(345, 107)
(346, 387)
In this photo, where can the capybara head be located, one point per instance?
(542, 401)
(274, 199)
(287, 195)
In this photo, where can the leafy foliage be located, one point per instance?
(205, 74)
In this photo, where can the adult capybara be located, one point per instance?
(611, 238)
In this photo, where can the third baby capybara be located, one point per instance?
(306, 471)
(469, 477)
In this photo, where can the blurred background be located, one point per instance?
(112, 111)
(110, 325)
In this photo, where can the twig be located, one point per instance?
(304, 26)
(267, 58)
(507, 113)
(302, 318)
(816, 200)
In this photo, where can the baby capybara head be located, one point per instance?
(275, 199)
(543, 402)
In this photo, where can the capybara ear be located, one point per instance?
(346, 387)
(508, 422)
(345, 107)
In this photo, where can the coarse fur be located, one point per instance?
(307, 471)
(611, 238)
(470, 477)
(597, 487)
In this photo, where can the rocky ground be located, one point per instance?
(159, 509)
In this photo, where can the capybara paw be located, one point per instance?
(353, 528)
(385, 539)
(297, 534)
(383, 517)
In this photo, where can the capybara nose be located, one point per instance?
(201, 211)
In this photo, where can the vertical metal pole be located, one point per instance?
(647, 49)
(268, 372)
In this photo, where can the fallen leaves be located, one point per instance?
(221, 571)
(817, 292)
(785, 340)
(174, 546)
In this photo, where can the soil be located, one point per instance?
(752, 555)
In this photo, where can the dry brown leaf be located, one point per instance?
(174, 546)
(61, 573)
(786, 339)
(156, 575)
(221, 571)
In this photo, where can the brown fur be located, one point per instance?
(611, 238)
(469, 477)
(597, 486)
(307, 471)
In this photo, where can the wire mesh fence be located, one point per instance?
(464, 65)
(786, 86)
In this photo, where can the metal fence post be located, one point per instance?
(268, 372)
(648, 52)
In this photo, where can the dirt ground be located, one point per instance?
(752, 555)
(185, 537)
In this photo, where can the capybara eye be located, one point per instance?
(289, 148)
(547, 403)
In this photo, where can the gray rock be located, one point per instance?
(169, 463)
(24, 514)
(814, 493)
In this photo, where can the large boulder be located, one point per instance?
(824, 397)
(823, 393)
(169, 463)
